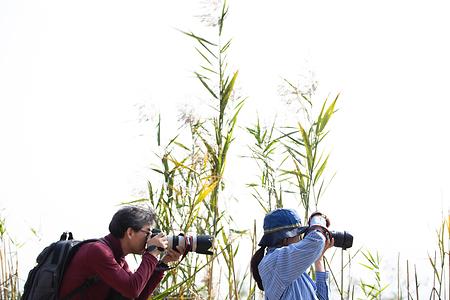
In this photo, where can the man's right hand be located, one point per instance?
(159, 241)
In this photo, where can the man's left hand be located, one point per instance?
(172, 255)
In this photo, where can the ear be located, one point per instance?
(129, 233)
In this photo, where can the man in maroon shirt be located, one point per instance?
(104, 260)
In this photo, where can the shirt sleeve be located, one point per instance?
(286, 264)
(151, 285)
(296, 258)
(130, 285)
(322, 285)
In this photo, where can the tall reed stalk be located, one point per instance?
(265, 152)
(189, 196)
(341, 272)
(438, 265)
(373, 289)
(9, 265)
(303, 143)
(219, 82)
(304, 162)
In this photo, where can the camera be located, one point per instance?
(342, 239)
(193, 243)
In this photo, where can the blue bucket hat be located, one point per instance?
(279, 224)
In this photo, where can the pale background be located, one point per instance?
(76, 77)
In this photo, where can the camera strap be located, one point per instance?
(326, 233)
(161, 266)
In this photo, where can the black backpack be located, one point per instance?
(45, 278)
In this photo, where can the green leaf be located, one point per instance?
(299, 143)
(309, 156)
(226, 46)
(321, 169)
(205, 191)
(134, 201)
(208, 69)
(297, 92)
(158, 131)
(299, 175)
(326, 117)
(203, 55)
(207, 49)
(150, 190)
(226, 95)
(200, 77)
(293, 152)
(158, 171)
(366, 266)
(171, 141)
(182, 146)
(179, 164)
(212, 154)
(222, 17)
(197, 37)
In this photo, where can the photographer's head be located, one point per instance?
(132, 225)
(281, 227)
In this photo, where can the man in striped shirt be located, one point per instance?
(282, 271)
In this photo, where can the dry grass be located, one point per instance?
(9, 265)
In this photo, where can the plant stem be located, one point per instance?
(398, 277)
(417, 283)
(407, 279)
(342, 274)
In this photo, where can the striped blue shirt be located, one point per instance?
(283, 271)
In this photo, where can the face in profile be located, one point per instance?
(138, 239)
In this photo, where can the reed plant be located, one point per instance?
(372, 289)
(292, 155)
(303, 143)
(265, 151)
(9, 265)
(192, 173)
(340, 267)
(188, 180)
(437, 262)
(179, 201)
(302, 163)
(216, 133)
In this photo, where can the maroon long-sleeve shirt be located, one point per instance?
(105, 260)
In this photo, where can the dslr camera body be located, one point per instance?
(342, 239)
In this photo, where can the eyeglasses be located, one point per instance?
(147, 233)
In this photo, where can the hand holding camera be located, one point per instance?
(157, 241)
(319, 221)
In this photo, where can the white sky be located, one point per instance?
(71, 74)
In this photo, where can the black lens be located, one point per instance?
(204, 243)
(342, 239)
(199, 244)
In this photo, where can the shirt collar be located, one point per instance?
(114, 244)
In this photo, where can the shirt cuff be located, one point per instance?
(322, 276)
(161, 266)
(147, 255)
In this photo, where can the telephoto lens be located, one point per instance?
(342, 239)
(194, 243)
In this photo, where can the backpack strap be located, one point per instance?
(87, 284)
